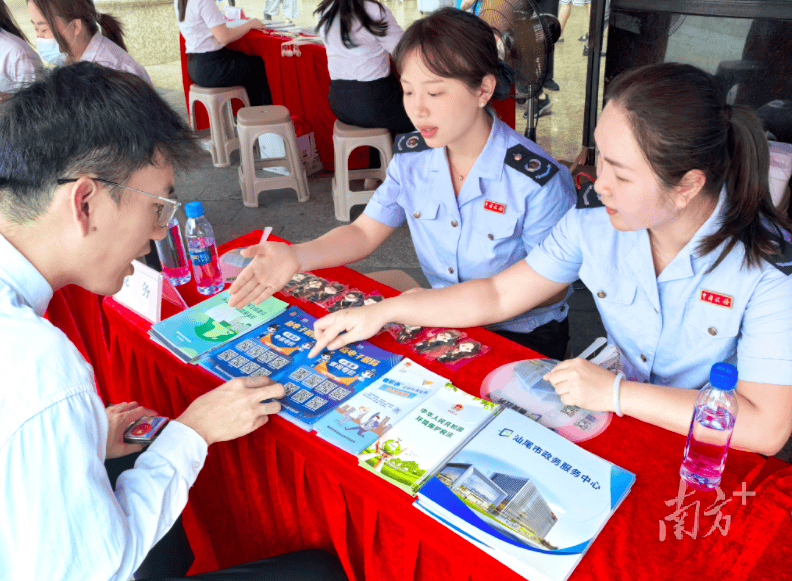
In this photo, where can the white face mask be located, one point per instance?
(50, 51)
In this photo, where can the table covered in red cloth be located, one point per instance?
(301, 83)
(281, 489)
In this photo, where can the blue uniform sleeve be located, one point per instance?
(764, 348)
(383, 205)
(546, 207)
(559, 256)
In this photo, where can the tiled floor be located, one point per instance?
(559, 133)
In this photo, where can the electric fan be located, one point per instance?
(525, 40)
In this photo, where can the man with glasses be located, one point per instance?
(87, 158)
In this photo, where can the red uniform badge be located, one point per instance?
(493, 207)
(717, 299)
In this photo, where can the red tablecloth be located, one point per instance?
(281, 489)
(301, 85)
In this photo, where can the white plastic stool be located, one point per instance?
(221, 118)
(346, 138)
(253, 122)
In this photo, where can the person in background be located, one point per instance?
(564, 12)
(360, 36)
(72, 30)
(687, 258)
(210, 62)
(477, 195)
(291, 9)
(78, 210)
(19, 63)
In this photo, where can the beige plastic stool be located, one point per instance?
(345, 139)
(253, 122)
(221, 118)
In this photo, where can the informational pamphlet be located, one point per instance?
(211, 324)
(408, 454)
(359, 422)
(525, 495)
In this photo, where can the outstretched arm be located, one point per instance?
(274, 263)
(515, 290)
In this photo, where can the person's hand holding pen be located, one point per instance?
(273, 265)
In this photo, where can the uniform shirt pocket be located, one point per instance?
(709, 321)
(420, 209)
(492, 226)
(609, 289)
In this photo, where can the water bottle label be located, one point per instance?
(201, 256)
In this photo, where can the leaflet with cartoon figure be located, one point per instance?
(408, 454)
(316, 386)
(525, 495)
(268, 350)
(211, 324)
(356, 424)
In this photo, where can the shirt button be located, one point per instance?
(643, 357)
(602, 295)
(454, 223)
(712, 331)
(416, 214)
(517, 156)
(490, 236)
(450, 270)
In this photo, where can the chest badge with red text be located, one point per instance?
(494, 207)
(717, 299)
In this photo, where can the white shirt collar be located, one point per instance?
(19, 274)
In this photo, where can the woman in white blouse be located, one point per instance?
(360, 35)
(18, 61)
(210, 62)
(72, 30)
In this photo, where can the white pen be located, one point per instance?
(267, 232)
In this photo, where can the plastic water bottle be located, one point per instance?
(172, 255)
(202, 249)
(711, 429)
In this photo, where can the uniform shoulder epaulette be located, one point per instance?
(527, 162)
(409, 143)
(782, 259)
(587, 197)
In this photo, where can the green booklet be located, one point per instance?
(211, 324)
(410, 452)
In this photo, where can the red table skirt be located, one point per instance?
(301, 85)
(282, 489)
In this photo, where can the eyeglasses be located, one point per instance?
(165, 211)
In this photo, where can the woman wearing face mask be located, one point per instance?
(476, 195)
(18, 61)
(69, 31)
(687, 258)
(210, 63)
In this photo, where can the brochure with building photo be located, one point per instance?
(316, 386)
(267, 350)
(359, 422)
(211, 324)
(527, 496)
(408, 454)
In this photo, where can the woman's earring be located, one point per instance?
(482, 104)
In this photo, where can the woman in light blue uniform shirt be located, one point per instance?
(476, 195)
(689, 262)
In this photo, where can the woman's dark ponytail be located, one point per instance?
(681, 121)
(111, 29)
(349, 11)
(182, 10)
(750, 214)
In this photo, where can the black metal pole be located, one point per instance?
(591, 108)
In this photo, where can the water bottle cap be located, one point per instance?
(194, 209)
(723, 376)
